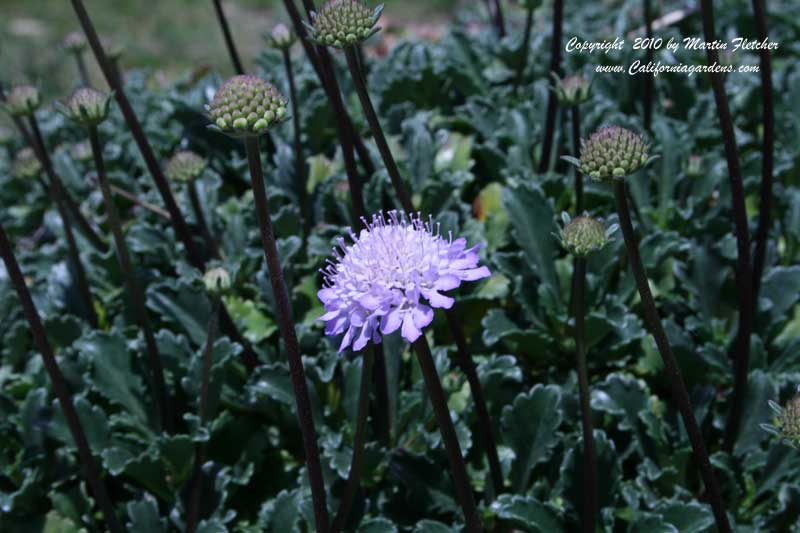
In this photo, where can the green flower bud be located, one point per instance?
(87, 106)
(612, 152)
(113, 49)
(572, 90)
(81, 151)
(26, 164)
(281, 37)
(584, 234)
(694, 166)
(246, 106)
(786, 422)
(185, 166)
(22, 100)
(217, 281)
(75, 43)
(343, 23)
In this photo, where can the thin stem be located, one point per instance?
(176, 217)
(286, 326)
(226, 31)
(138, 201)
(382, 418)
(499, 19)
(40, 149)
(135, 292)
(679, 393)
(90, 470)
(744, 278)
(526, 44)
(377, 131)
(649, 79)
(354, 475)
(552, 101)
(485, 435)
(58, 195)
(448, 431)
(767, 150)
(114, 63)
(299, 167)
(193, 511)
(84, 75)
(589, 456)
(576, 148)
(200, 217)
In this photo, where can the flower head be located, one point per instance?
(22, 100)
(583, 235)
(26, 164)
(217, 281)
(612, 152)
(280, 38)
(113, 49)
(75, 42)
(572, 90)
(185, 166)
(246, 106)
(81, 151)
(344, 23)
(87, 106)
(787, 421)
(391, 277)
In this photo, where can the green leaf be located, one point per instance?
(531, 423)
(377, 525)
(526, 513)
(144, 517)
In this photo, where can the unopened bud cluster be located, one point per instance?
(26, 164)
(87, 106)
(280, 38)
(246, 106)
(217, 281)
(75, 42)
(572, 90)
(584, 235)
(185, 166)
(343, 23)
(612, 152)
(22, 100)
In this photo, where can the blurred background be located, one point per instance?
(170, 37)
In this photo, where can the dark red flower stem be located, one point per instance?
(90, 470)
(176, 217)
(576, 152)
(458, 468)
(744, 278)
(382, 417)
(354, 475)
(321, 61)
(58, 195)
(499, 19)
(82, 72)
(465, 359)
(200, 218)
(36, 141)
(286, 327)
(526, 45)
(679, 392)
(767, 150)
(552, 101)
(377, 131)
(299, 164)
(135, 292)
(193, 512)
(589, 455)
(649, 79)
(226, 32)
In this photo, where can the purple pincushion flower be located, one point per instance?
(391, 277)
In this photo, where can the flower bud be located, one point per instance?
(217, 281)
(281, 37)
(87, 106)
(113, 49)
(185, 166)
(75, 42)
(22, 100)
(612, 152)
(694, 166)
(786, 424)
(81, 151)
(343, 23)
(246, 106)
(26, 164)
(584, 234)
(572, 90)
